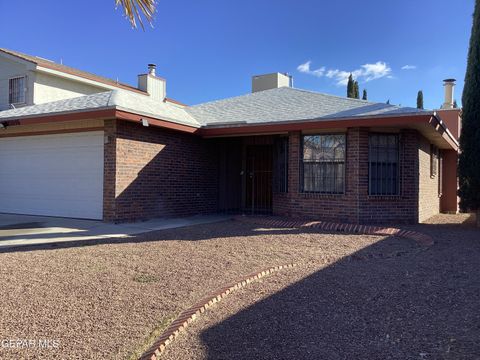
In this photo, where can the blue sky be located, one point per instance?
(210, 49)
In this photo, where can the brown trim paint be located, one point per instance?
(51, 132)
(316, 124)
(124, 115)
(238, 130)
(84, 115)
(173, 101)
(101, 114)
(435, 122)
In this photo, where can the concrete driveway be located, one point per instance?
(25, 230)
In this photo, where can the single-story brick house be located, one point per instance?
(90, 147)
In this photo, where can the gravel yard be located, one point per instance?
(388, 301)
(106, 299)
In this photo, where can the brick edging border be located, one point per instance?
(189, 315)
(420, 238)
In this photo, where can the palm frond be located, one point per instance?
(134, 10)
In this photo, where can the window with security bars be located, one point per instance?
(16, 90)
(324, 163)
(281, 165)
(383, 160)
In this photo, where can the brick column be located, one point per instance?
(109, 170)
(356, 182)
(410, 172)
(294, 157)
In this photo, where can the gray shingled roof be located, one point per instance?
(289, 104)
(115, 99)
(276, 105)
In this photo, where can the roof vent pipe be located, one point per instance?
(151, 69)
(449, 85)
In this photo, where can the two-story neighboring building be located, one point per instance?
(79, 145)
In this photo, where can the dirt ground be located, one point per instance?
(386, 301)
(104, 300)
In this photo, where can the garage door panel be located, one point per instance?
(58, 175)
(88, 161)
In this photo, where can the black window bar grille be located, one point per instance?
(323, 169)
(281, 165)
(384, 164)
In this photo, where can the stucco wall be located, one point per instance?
(10, 69)
(49, 88)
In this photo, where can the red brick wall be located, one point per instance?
(153, 172)
(355, 205)
(109, 169)
(393, 209)
(326, 207)
(158, 173)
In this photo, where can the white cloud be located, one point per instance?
(409, 67)
(341, 77)
(375, 71)
(305, 68)
(366, 72)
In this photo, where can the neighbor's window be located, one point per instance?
(384, 164)
(434, 160)
(324, 163)
(16, 90)
(281, 165)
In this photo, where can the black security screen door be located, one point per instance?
(259, 163)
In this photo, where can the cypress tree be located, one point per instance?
(469, 164)
(356, 91)
(420, 99)
(364, 96)
(350, 91)
(388, 102)
(455, 105)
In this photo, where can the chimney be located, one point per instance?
(155, 86)
(449, 85)
(271, 81)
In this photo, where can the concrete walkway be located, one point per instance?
(24, 230)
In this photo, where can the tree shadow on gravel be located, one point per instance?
(417, 305)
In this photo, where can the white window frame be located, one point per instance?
(22, 96)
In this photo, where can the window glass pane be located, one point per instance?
(324, 163)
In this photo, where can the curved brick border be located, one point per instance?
(189, 315)
(422, 239)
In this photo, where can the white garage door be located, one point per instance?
(54, 175)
